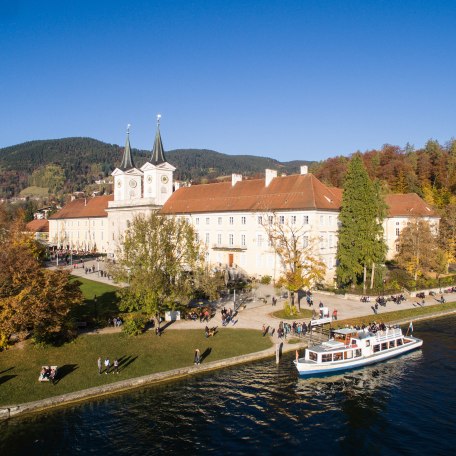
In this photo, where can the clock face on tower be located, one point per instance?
(149, 179)
(133, 183)
(164, 179)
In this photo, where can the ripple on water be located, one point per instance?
(400, 406)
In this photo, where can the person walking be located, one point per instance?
(99, 365)
(116, 366)
(107, 364)
(197, 358)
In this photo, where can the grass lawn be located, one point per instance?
(142, 355)
(406, 314)
(305, 313)
(100, 301)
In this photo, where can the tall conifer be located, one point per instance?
(361, 242)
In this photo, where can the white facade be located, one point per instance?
(240, 239)
(84, 234)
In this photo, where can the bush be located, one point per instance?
(134, 324)
(265, 280)
(290, 311)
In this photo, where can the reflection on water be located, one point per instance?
(399, 406)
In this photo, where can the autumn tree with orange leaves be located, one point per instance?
(33, 300)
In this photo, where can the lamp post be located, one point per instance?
(383, 286)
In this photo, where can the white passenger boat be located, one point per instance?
(351, 348)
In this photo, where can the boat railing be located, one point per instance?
(388, 334)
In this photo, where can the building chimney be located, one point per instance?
(304, 169)
(270, 174)
(235, 178)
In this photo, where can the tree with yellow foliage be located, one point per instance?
(301, 267)
(33, 301)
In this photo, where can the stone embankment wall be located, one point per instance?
(99, 391)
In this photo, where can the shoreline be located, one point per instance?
(15, 410)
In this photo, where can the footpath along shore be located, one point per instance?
(256, 315)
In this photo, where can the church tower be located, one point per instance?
(158, 173)
(127, 178)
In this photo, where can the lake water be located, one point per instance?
(403, 406)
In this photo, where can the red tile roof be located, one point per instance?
(296, 192)
(85, 207)
(409, 205)
(38, 226)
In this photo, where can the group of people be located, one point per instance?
(114, 368)
(116, 322)
(227, 316)
(48, 373)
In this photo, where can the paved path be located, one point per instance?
(257, 313)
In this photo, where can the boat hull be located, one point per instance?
(311, 369)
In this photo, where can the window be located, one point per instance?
(322, 219)
(392, 344)
(357, 353)
(330, 219)
(384, 345)
(243, 240)
(397, 248)
(197, 237)
(293, 219)
(207, 238)
(220, 220)
(331, 241)
(231, 239)
(260, 220)
(376, 348)
(306, 220)
(260, 240)
(271, 219)
(399, 342)
(231, 220)
(207, 220)
(219, 238)
(305, 241)
(338, 356)
(312, 356)
(281, 219)
(326, 357)
(398, 231)
(243, 220)
(197, 221)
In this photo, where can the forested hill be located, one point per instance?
(429, 171)
(78, 162)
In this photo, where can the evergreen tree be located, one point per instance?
(361, 243)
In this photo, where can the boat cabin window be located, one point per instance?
(326, 357)
(348, 354)
(338, 356)
(357, 352)
(392, 344)
(385, 346)
(399, 342)
(312, 356)
(376, 348)
(368, 343)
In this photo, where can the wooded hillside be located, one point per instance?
(78, 162)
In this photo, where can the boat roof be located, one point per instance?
(345, 331)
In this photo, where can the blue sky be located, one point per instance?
(285, 79)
